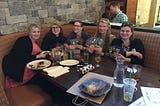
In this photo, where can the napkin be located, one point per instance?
(56, 71)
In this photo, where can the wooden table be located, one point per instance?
(107, 66)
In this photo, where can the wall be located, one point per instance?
(143, 12)
(15, 15)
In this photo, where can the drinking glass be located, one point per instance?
(97, 59)
(137, 71)
(129, 89)
(86, 56)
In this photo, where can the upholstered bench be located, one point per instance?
(27, 95)
(36, 96)
(151, 43)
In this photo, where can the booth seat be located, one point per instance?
(32, 95)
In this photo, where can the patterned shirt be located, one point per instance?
(120, 17)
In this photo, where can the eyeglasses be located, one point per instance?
(55, 27)
(77, 25)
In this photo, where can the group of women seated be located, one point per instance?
(26, 49)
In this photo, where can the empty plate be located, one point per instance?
(70, 62)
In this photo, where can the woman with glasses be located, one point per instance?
(54, 37)
(102, 39)
(78, 37)
(131, 48)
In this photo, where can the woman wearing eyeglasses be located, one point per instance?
(53, 38)
(78, 37)
(131, 48)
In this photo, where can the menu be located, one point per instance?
(138, 102)
(151, 97)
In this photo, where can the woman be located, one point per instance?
(131, 49)
(23, 51)
(54, 38)
(102, 38)
(78, 37)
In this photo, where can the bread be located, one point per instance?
(41, 64)
(92, 87)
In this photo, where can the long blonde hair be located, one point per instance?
(107, 22)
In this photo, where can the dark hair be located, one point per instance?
(115, 4)
(78, 22)
(131, 26)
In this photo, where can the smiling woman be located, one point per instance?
(131, 49)
(53, 38)
(19, 56)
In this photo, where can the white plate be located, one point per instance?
(34, 64)
(46, 52)
(69, 62)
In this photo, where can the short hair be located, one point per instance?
(115, 4)
(32, 26)
(131, 26)
(56, 23)
(78, 22)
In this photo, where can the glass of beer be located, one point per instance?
(97, 59)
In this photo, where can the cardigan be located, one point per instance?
(14, 63)
(50, 41)
(134, 44)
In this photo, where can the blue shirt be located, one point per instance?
(82, 40)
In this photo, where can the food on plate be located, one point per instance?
(91, 88)
(31, 66)
(95, 87)
(41, 64)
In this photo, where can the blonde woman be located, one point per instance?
(23, 51)
(102, 39)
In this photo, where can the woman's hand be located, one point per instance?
(72, 46)
(98, 49)
(91, 48)
(134, 53)
(41, 55)
(80, 47)
(122, 57)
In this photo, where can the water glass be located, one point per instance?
(86, 57)
(137, 71)
(97, 59)
(129, 89)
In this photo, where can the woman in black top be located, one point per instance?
(53, 38)
(131, 49)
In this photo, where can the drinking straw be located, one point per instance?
(129, 87)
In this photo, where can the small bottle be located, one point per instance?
(119, 73)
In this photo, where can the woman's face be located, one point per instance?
(77, 27)
(34, 33)
(56, 29)
(102, 27)
(125, 33)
